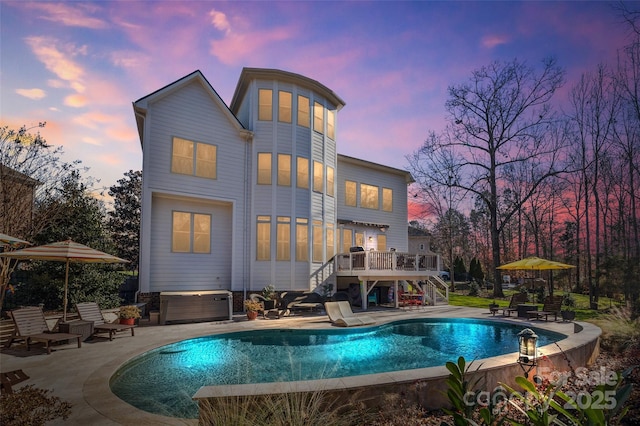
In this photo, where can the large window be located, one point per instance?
(359, 239)
(331, 124)
(191, 233)
(302, 239)
(349, 193)
(263, 240)
(330, 241)
(284, 107)
(264, 168)
(193, 158)
(387, 199)
(318, 117)
(317, 241)
(330, 182)
(303, 173)
(318, 176)
(369, 196)
(265, 104)
(382, 242)
(347, 240)
(284, 169)
(303, 111)
(283, 235)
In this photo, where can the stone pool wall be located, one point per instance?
(426, 386)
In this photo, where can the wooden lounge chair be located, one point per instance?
(516, 299)
(552, 306)
(340, 314)
(90, 311)
(31, 326)
(10, 379)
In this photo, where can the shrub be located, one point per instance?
(30, 406)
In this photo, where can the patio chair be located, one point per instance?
(552, 306)
(31, 326)
(516, 299)
(10, 379)
(90, 311)
(340, 314)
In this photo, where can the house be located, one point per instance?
(242, 196)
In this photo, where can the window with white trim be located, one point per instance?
(302, 180)
(191, 232)
(302, 239)
(264, 168)
(331, 124)
(369, 196)
(350, 193)
(193, 158)
(317, 241)
(284, 169)
(263, 238)
(330, 181)
(387, 199)
(318, 176)
(303, 111)
(283, 236)
(265, 104)
(284, 107)
(318, 117)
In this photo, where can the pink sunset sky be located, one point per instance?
(79, 65)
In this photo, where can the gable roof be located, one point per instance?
(250, 74)
(140, 106)
(387, 169)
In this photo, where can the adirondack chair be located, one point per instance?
(90, 311)
(552, 306)
(31, 326)
(516, 299)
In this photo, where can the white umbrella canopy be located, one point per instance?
(68, 252)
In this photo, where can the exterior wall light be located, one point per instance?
(527, 350)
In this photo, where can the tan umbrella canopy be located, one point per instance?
(534, 263)
(65, 251)
(7, 240)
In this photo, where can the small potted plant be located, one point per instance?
(567, 312)
(269, 294)
(128, 314)
(252, 307)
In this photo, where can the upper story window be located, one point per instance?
(318, 176)
(264, 168)
(303, 111)
(318, 117)
(331, 124)
(193, 158)
(330, 181)
(191, 233)
(284, 169)
(369, 196)
(284, 107)
(350, 193)
(387, 199)
(265, 104)
(302, 180)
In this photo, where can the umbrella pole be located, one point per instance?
(66, 285)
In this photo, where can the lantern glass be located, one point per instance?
(527, 343)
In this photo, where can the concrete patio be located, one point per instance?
(80, 376)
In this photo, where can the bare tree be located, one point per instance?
(30, 172)
(500, 118)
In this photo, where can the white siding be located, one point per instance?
(189, 271)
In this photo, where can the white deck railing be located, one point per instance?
(385, 261)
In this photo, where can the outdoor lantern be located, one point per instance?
(527, 349)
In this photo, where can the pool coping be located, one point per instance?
(81, 376)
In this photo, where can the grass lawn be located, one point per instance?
(582, 303)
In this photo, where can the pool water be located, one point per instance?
(163, 380)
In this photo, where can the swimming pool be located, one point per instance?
(163, 380)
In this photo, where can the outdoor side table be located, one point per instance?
(84, 328)
(524, 308)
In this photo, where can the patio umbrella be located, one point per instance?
(7, 240)
(535, 263)
(65, 251)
